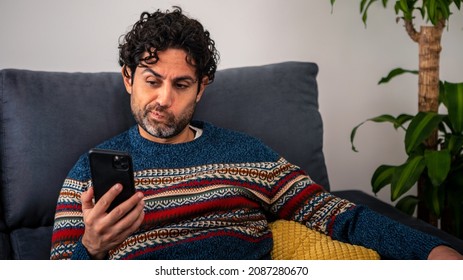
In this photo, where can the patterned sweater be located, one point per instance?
(212, 198)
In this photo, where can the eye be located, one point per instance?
(182, 85)
(152, 83)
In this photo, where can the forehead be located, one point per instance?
(171, 63)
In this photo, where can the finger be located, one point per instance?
(87, 199)
(125, 207)
(138, 221)
(104, 202)
(132, 221)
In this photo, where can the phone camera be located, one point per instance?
(121, 162)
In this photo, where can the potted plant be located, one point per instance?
(433, 141)
(439, 170)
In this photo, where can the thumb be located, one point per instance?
(87, 199)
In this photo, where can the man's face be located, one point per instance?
(164, 97)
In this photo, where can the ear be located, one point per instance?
(202, 87)
(127, 78)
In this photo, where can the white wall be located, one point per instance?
(82, 35)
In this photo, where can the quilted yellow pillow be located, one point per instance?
(293, 241)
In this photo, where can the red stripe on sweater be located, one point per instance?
(195, 209)
(286, 180)
(298, 200)
(67, 234)
(209, 182)
(63, 207)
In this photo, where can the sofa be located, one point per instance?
(48, 119)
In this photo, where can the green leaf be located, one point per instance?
(379, 119)
(454, 104)
(431, 8)
(362, 5)
(403, 5)
(422, 12)
(457, 3)
(382, 177)
(396, 72)
(455, 204)
(397, 7)
(438, 164)
(401, 120)
(445, 11)
(364, 9)
(454, 144)
(442, 98)
(455, 180)
(408, 204)
(420, 128)
(406, 175)
(434, 199)
(405, 9)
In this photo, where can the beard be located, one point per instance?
(170, 127)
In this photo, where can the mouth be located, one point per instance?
(159, 117)
(156, 115)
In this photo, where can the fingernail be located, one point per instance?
(118, 187)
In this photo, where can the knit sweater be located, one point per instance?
(212, 198)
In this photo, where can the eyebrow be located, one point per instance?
(180, 78)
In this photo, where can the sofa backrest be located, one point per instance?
(50, 118)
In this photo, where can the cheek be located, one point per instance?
(187, 105)
(137, 97)
(137, 104)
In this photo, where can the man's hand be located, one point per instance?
(444, 253)
(104, 231)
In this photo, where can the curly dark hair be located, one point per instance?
(163, 30)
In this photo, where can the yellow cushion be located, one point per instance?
(293, 241)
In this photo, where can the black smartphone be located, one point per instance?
(109, 167)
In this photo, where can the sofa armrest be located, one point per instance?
(388, 210)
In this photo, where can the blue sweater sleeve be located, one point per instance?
(80, 252)
(391, 239)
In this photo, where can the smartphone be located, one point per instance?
(109, 167)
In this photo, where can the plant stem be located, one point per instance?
(429, 42)
(428, 78)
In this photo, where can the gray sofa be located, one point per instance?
(48, 119)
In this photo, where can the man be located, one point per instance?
(203, 192)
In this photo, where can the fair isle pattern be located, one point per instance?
(191, 204)
(145, 242)
(216, 189)
(316, 214)
(68, 218)
(289, 191)
(210, 199)
(260, 173)
(315, 209)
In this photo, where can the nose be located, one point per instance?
(165, 96)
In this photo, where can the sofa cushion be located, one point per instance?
(49, 119)
(277, 103)
(31, 243)
(5, 251)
